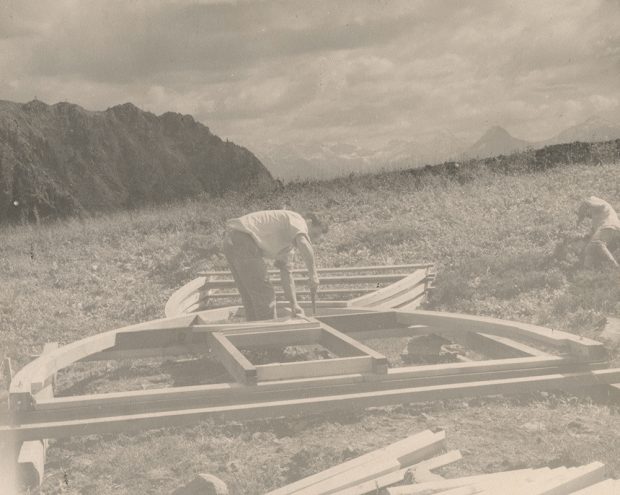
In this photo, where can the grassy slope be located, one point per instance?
(494, 237)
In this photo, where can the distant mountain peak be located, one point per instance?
(593, 129)
(496, 141)
(497, 129)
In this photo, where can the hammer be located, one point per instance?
(313, 299)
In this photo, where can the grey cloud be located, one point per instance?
(211, 38)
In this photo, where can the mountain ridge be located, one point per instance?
(299, 161)
(61, 159)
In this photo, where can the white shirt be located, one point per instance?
(602, 214)
(274, 231)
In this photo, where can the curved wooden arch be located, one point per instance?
(359, 287)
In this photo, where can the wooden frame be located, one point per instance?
(521, 358)
(361, 370)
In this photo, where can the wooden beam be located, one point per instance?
(605, 487)
(177, 297)
(309, 405)
(231, 358)
(575, 479)
(390, 333)
(343, 269)
(481, 480)
(451, 323)
(357, 322)
(31, 457)
(258, 326)
(403, 285)
(386, 480)
(195, 396)
(406, 297)
(277, 338)
(381, 278)
(418, 293)
(343, 345)
(323, 292)
(115, 354)
(410, 450)
(499, 347)
(315, 368)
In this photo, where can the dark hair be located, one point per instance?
(317, 221)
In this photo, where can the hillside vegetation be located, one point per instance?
(60, 160)
(502, 233)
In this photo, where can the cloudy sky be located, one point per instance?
(364, 71)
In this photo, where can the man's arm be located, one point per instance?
(288, 286)
(307, 253)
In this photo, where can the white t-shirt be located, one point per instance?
(602, 214)
(274, 231)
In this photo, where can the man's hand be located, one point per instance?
(297, 311)
(313, 282)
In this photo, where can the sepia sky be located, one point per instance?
(363, 72)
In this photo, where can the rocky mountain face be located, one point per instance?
(58, 160)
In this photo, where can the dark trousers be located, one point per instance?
(250, 273)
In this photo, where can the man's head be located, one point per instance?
(316, 226)
(585, 208)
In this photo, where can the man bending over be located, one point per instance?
(605, 230)
(270, 234)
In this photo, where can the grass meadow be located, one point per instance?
(505, 245)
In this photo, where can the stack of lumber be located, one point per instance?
(404, 468)
(377, 469)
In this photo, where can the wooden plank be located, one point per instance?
(31, 462)
(405, 284)
(343, 269)
(403, 299)
(478, 480)
(494, 365)
(258, 326)
(309, 405)
(500, 347)
(381, 278)
(419, 293)
(343, 345)
(214, 315)
(576, 479)
(389, 333)
(32, 454)
(153, 400)
(316, 368)
(362, 321)
(580, 347)
(231, 358)
(605, 487)
(37, 374)
(115, 354)
(386, 480)
(376, 468)
(323, 292)
(412, 449)
(172, 305)
(279, 338)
